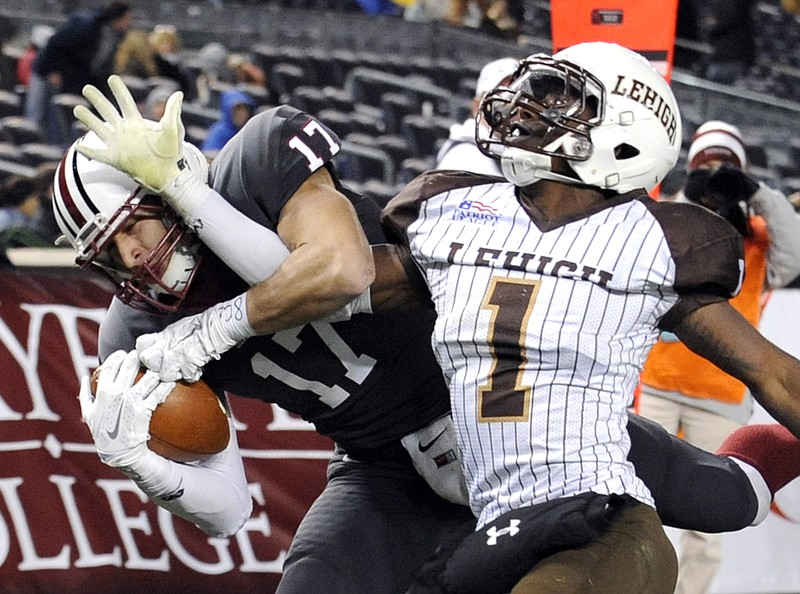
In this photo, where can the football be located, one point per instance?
(189, 426)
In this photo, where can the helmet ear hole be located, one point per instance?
(625, 151)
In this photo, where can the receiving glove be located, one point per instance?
(152, 153)
(183, 348)
(118, 414)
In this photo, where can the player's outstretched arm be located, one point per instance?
(721, 335)
(212, 494)
(326, 275)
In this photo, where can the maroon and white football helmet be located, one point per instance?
(92, 201)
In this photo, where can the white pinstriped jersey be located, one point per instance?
(541, 332)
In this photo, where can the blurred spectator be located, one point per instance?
(460, 151)
(380, 7)
(425, 11)
(156, 102)
(791, 6)
(167, 45)
(491, 16)
(729, 28)
(22, 213)
(135, 56)
(680, 390)
(79, 52)
(39, 36)
(244, 70)
(211, 59)
(237, 107)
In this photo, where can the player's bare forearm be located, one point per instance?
(393, 287)
(330, 263)
(721, 335)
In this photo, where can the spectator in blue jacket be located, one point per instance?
(237, 107)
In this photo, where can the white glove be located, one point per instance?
(183, 348)
(118, 415)
(150, 152)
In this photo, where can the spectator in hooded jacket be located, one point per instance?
(237, 107)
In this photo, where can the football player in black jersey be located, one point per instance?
(376, 383)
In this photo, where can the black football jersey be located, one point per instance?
(363, 382)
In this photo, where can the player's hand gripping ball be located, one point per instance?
(189, 426)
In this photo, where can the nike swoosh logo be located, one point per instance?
(115, 430)
(427, 446)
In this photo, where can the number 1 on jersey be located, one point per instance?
(504, 397)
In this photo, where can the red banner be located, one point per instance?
(70, 524)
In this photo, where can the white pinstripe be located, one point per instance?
(585, 342)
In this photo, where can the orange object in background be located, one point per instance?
(646, 26)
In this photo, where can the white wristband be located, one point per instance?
(185, 193)
(231, 320)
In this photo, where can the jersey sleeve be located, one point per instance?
(262, 167)
(708, 254)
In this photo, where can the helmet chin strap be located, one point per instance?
(180, 267)
(523, 168)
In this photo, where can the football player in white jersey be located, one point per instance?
(216, 332)
(550, 290)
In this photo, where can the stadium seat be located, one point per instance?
(320, 70)
(21, 130)
(338, 98)
(379, 191)
(412, 167)
(395, 107)
(10, 152)
(395, 146)
(423, 134)
(267, 55)
(195, 114)
(8, 168)
(196, 134)
(336, 120)
(10, 104)
(342, 62)
(363, 120)
(309, 99)
(35, 153)
(365, 163)
(285, 77)
(138, 86)
(64, 104)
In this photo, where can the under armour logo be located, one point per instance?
(493, 533)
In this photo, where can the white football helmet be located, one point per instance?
(600, 106)
(92, 202)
